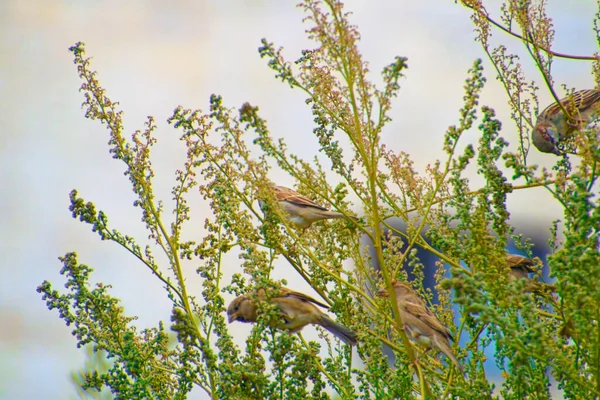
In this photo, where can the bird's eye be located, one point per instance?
(561, 147)
(237, 307)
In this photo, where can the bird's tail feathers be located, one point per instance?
(330, 214)
(445, 348)
(343, 333)
(336, 215)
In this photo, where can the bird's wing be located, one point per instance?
(284, 194)
(582, 99)
(284, 292)
(419, 310)
(520, 262)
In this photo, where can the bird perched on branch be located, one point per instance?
(420, 324)
(297, 310)
(302, 212)
(520, 268)
(553, 126)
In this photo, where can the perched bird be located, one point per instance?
(297, 310)
(520, 268)
(553, 126)
(420, 324)
(301, 211)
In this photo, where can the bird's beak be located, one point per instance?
(232, 318)
(382, 293)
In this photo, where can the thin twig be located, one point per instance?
(516, 35)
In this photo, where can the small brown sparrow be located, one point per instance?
(420, 324)
(297, 310)
(301, 211)
(553, 125)
(520, 268)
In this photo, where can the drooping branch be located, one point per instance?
(483, 12)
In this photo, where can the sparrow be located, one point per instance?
(520, 268)
(420, 324)
(302, 212)
(553, 126)
(297, 310)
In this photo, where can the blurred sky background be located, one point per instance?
(152, 56)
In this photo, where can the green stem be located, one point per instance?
(425, 216)
(337, 386)
(172, 251)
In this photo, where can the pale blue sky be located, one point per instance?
(152, 56)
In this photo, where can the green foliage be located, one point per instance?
(229, 156)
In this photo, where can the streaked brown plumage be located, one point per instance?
(521, 267)
(297, 310)
(302, 212)
(420, 324)
(553, 126)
